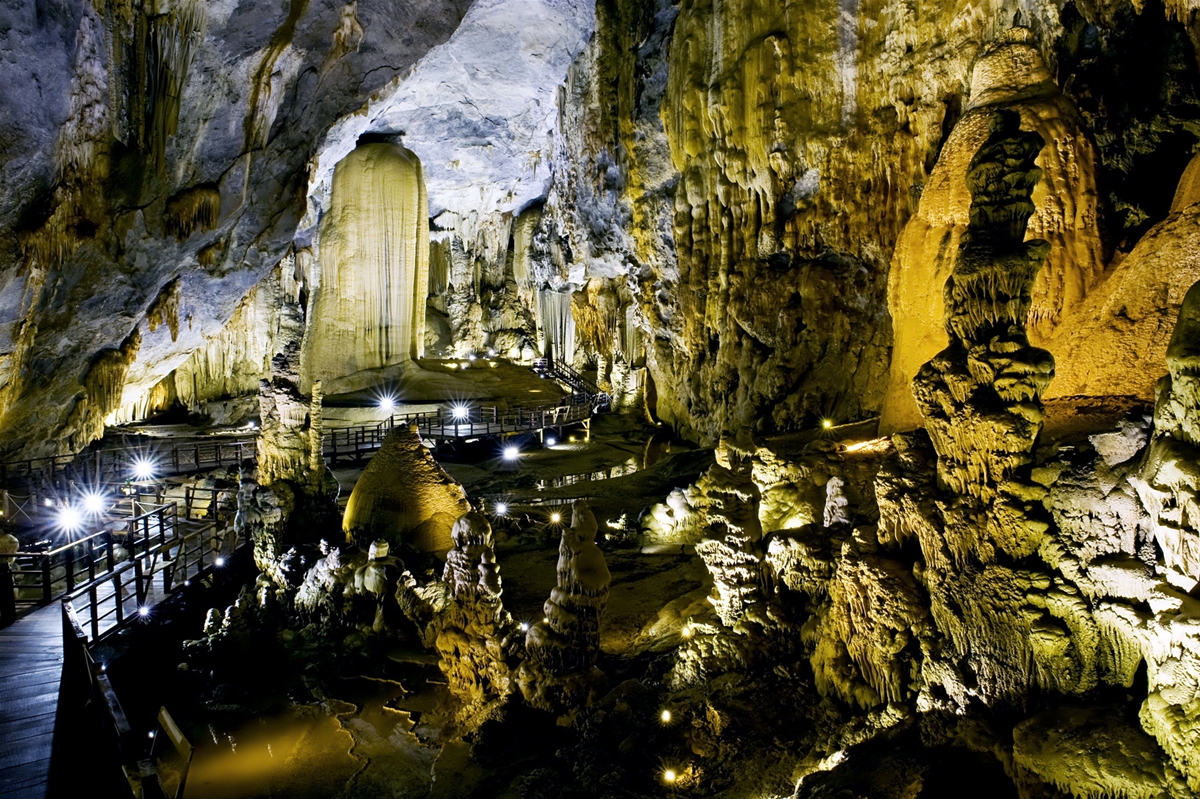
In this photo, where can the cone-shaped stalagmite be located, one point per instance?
(560, 671)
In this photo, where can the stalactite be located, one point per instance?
(193, 209)
(102, 390)
(171, 46)
(165, 309)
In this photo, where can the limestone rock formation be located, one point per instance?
(404, 497)
(1116, 341)
(981, 396)
(291, 494)
(368, 302)
(114, 164)
(1010, 75)
(730, 548)
(560, 672)
(472, 633)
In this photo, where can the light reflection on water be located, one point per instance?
(336, 749)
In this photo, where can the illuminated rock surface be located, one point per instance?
(752, 221)
(560, 672)
(404, 497)
(368, 308)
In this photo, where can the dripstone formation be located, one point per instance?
(560, 670)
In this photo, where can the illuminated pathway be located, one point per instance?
(31, 657)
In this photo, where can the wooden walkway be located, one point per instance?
(31, 658)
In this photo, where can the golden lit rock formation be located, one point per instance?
(368, 303)
(1009, 75)
(405, 497)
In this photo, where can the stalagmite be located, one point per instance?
(405, 497)
(368, 308)
(730, 546)
(560, 671)
(473, 634)
(289, 493)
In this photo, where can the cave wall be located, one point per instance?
(735, 195)
(161, 151)
(745, 177)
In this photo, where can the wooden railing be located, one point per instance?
(114, 464)
(112, 600)
(118, 561)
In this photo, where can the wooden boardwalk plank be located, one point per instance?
(31, 657)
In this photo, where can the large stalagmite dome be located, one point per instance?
(369, 304)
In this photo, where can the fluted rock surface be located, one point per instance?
(1010, 75)
(368, 305)
(129, 189)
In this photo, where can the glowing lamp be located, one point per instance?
(70, 519)
(471, 357)
(501, 509)
(551, 441)
(665, 716)
(219, 562)
(460, 412)
(94, 502)
(524, 626)
(827, 423)
(555, 518)
(49, 503)
(669, 775)
(143, 469)
(511, 453)
(387, 404)
(144, 611)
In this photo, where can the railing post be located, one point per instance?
(69, 568)
(46, 591)
(93, 599)
(139, 583)
(8, 597)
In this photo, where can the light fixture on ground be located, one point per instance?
(669, 775)
(219, 562)
(551, 441)
(555, 517)
(665, 716)
(827, 423)
(512, 452)
(501, 509)
(143, 611)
